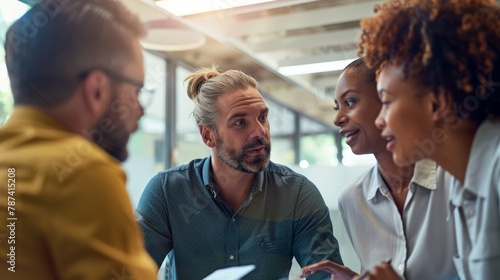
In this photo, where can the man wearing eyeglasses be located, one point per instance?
(76, 69)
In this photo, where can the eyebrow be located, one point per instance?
(241, 115)
(342, 96)
(237, 115)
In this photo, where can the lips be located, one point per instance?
(391, 141)
(257, 150)
(347, 133)
(350, 135)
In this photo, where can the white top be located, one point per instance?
(421, 243)
(476, 208)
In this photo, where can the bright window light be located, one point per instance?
(314, 67)
(189, 7)
(304, 164)
(11, 10)
(351, 159)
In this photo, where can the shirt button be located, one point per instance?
(470, 213)
(234, 220)
(231, 257)
(401, 267)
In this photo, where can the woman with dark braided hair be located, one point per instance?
(438, 82)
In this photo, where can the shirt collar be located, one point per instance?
(28, 114)
(258, 183)
(207, 178)
(424, 175)
(377, 183)
(206, 175)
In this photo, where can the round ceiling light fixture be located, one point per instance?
(169, 35)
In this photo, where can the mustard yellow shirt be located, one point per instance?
(64, 209)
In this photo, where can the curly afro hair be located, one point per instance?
(450, 45)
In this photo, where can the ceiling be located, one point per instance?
(260, 38)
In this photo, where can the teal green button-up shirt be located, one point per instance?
(283, 217)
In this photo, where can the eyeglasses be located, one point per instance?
(144, 95)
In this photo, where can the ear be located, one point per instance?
(208, 135)
(441, 104)
(96, 93)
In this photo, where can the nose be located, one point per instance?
(340, 119)
(259, 130)
(142, 112)
(380, 121)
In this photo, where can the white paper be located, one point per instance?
(230, 273)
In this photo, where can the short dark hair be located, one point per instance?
(56, 40)
(359, 67)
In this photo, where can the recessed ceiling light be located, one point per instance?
(189, 7)
(319, 67)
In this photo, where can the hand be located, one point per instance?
(338, 272)
(383, 271)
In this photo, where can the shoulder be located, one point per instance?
(280, 169)
(103, 186)
(185, 170)
(487, 138)
(485, 151)
(495, 145)
(76, 156)
(286, 175)
(179, 176)
(359, 187)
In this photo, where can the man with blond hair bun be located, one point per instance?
(235, 207)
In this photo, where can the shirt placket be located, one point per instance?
(399, 258)
(232, 238)
(232, 241)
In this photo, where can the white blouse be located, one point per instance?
(421, 243)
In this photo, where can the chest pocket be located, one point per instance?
(484, 259)
(487, 247)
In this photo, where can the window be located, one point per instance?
(10, 10)
(281, 119)
(282, 126)
(146, 145)
(318, 149)
(351, 159)
(189, 144)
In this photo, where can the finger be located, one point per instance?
(306, 273)
(365, 275)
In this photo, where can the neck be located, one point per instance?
(397, 178)
(234, 185)
(453, 153)
(69, 118)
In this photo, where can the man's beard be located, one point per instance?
(113, 141)
(115, 147)
(238, 160)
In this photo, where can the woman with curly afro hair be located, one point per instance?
(389, 212)
(438, 81)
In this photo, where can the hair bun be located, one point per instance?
(198, 78)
